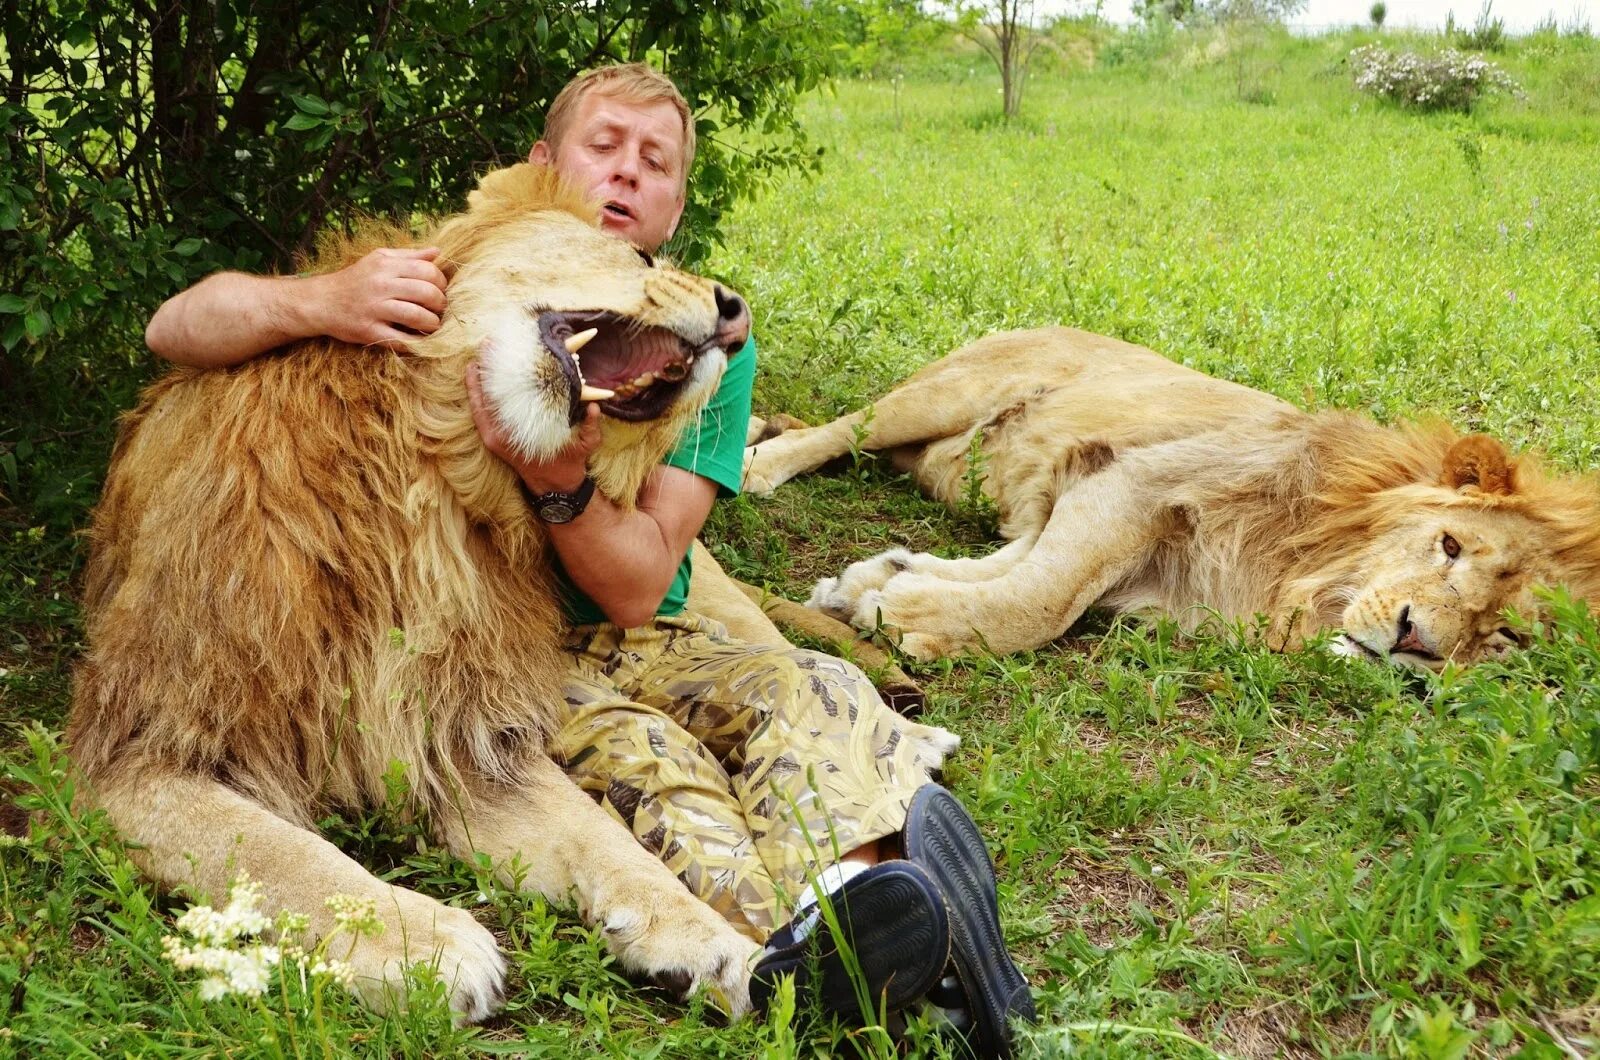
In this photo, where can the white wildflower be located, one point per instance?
(230, 968)
(238, 919)
(246, 971)
(357, 915)
(337, 970)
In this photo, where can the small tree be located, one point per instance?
(1378, 13)
(1171, 10)
(1004, 29)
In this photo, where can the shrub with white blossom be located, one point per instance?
(1450, 80)
(223, 945)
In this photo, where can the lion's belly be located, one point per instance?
(1035, 448)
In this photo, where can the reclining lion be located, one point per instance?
(308, 567)
(1125, 480)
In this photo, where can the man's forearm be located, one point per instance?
(621, 559)
(231, 317)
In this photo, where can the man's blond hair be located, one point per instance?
(636, 83)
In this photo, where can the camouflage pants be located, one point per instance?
(745, 767)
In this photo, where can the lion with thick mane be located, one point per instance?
(1127, 481)
(308, 568)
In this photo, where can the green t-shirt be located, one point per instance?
(711, 447)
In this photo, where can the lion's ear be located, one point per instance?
(506, 185)
(1479, 462)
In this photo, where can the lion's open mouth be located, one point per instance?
(634, 372)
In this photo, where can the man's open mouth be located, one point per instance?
(635, 372)
(616, 209)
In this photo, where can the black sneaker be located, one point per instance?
(893, 920)
(941, 837)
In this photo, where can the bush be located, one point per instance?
(1447, 81)
(1378, 13)
(142, 146)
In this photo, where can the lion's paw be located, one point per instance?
(919, 612)
(680, 943)
(841, 597)
(926, 647)
(930, 745)
(419, 930)
(760, 476)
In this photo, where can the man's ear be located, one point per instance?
(541, 155)
(677, 215)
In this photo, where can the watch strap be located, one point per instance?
(560, 506)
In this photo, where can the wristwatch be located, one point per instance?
(557, 506)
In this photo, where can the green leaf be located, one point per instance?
(12, 303)
(188, 247)
(310, 104)
(36, 324)
(303, 120)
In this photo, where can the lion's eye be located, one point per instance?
(649, 262)
(1451, 546)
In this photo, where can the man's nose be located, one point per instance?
(626, 168)
(733, 320)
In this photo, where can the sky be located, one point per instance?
(1519, 15)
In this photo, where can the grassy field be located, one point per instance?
(1204, 848)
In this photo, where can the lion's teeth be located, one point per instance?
(580, 340)
(594, 393)
(642, 381)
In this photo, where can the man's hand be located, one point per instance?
(370, 302)
(624, 559)
(229, 317)
(563, 472)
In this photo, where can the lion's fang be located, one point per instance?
(580, 340)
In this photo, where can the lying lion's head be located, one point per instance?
(561, 313)
(1452, 560)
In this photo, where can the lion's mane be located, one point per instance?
(315, 569)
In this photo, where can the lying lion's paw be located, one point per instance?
(760, 478)
(419, 930)
(841, 597)
(930, 745)
(917, 610)
(678, 942)
(825, 597)
(926, 647)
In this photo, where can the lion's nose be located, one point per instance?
(733, 320)
(1409, 639)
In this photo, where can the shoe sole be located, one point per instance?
(941, 837)
(897, 928)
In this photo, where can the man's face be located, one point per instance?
(630, 157)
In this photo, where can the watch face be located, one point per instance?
(557, 510)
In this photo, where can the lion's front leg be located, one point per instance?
(555, 840)
(841, 597)
(189, 831)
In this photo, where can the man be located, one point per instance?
(764, 778)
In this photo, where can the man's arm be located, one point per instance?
(623, 560)
(230, 317)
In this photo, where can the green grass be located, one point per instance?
(1203, 847)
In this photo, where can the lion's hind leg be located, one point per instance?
(189, 831)
(921, 410)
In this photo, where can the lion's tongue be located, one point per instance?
(626, 358)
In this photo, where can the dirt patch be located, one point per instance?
(1096, 899)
